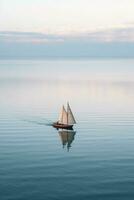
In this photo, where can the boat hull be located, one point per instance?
(62, 126)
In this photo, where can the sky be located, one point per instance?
(48, 25)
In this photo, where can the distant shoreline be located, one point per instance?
(65, 57)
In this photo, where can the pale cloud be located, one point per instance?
(124, 33)
(28, 37)
(113, 35)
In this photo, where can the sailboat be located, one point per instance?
(66, 119)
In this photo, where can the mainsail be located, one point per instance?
(63, 116)
(70, 117)
(66, 117)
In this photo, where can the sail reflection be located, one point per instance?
(67, 137)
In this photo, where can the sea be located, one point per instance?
(95, 160)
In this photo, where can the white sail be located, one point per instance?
(63, 116)
(70, 117)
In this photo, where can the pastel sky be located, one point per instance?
(59, 21)
(65, 16)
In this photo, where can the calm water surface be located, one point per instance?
(96, 160)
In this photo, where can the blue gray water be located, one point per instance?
(96, 161)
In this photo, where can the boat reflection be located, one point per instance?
(67, 137)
